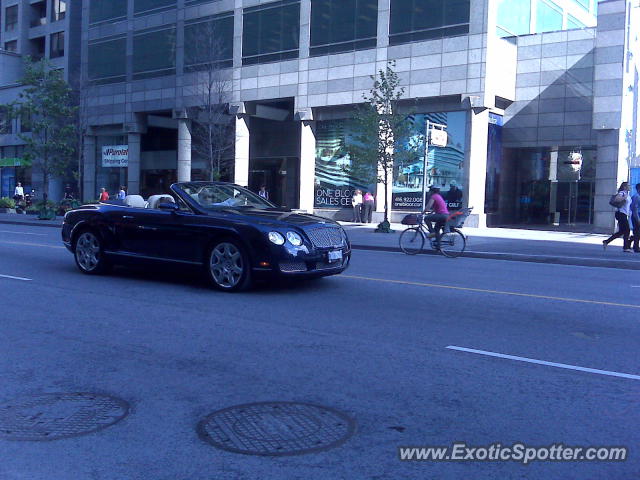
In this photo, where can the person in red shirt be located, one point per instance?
(438, 213)
(104, 195)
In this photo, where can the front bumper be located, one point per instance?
(300, 262)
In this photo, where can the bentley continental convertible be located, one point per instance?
(235, 235)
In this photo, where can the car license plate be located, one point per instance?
(335, 256)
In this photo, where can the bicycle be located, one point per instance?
(452, 241)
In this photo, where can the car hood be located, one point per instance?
(275, 217)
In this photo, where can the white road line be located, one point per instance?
(16, 278)
(24, 233)
(543, 362)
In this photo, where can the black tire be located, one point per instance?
(412, 241)
(89, 254)
(227, 266)
(453, 243)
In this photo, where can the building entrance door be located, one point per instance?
(280, 175)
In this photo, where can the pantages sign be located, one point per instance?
(115, 156)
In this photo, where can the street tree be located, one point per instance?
(47, 103)
(208, 57)
(381, 134)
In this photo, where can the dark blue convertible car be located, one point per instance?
(235, 235)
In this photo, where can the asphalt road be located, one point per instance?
(371, 343)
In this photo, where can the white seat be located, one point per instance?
(155, 200)
(135, 201)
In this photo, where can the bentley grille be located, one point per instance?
(326, 237)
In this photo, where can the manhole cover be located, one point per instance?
(59, 415)
(276, 428)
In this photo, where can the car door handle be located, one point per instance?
(142, 227)
(127, 217)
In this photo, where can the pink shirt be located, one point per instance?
(439, 205)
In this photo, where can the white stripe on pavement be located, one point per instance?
(543, 362)
(16, 278)
(24, 233)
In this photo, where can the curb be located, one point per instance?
(33, 224)
(518, 257)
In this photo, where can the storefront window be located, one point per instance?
(111, 164)
(445, 165)
(334, 185)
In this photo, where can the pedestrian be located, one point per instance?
(635, 219)
(122, 193)
(623, 212)
(367, 207)
(263, 192)
(454, 196)
(18, 193)
(68, 192)
(104, 195)
(356, 203)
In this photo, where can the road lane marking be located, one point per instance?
(24, 233)
(495, 292)
(16, 278)
(26, 244)
(544, 362)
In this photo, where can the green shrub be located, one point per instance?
(6, 202)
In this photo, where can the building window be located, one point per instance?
(6, 125)
(107, 61)
(38, 14)
(102, 10)
(271, 32)
(583, 3)
(38, 48)
(56, 47)
(415, 20)
(25, 121)
(11, 46)
(154, 54)
(209, 43)
(150, 6)
(548, 17)
(343, 25)
(11, 18)
(58, 10)
(514, 18)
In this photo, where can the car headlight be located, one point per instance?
(276, 237)
(294, 239)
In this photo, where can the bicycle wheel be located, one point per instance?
(412, 241)
(452, 243)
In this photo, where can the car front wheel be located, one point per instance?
(228, 266)
(89, 253)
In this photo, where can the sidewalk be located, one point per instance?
(568, 248)
(538, 246)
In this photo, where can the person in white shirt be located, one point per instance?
(622, 216)
(122, 193)
(19, 191)
(356, 202)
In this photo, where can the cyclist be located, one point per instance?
(438, 213)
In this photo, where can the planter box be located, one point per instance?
(7, 210)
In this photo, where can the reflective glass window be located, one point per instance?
(573, 22)
(415, 20)
(101, 10)
(11, 18)
(154, 53)
(150, 5)
(514, 17)
(548, 17)
(209, 42)
(56, 45)
(270, 32)
(59, 10)
(343, 25)
(107, 61)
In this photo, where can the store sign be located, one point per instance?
(115, 156)
(12, 162)
(438, 138)
(334, 197)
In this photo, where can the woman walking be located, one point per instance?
(622, 216)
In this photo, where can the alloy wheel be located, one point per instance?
(88, 251)
(227, 265)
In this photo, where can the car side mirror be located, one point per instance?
(170, 206)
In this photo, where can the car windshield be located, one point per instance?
(214, 196)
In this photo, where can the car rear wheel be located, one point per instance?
(89, 253)
(228, 266)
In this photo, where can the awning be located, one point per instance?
(14, 162)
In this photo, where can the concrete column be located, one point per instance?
(241, 171)
(305, 28)
(184, 150)
(133, 172)
(476, 165)
(611, 171)
(89, 191)
(307, 165)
